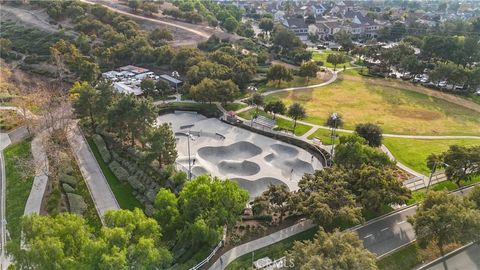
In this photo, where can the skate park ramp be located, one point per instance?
(236, 151)
(243, 168)
(256, 187)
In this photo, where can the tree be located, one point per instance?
(309, 69)
(336, 250)
(206, 204)
(278, 196)
(257, 100)
(377, 187)
(335, 120)
(286, 39)
(83, 97)
(325, 198)
(161, 145)
(162, 86)
(266, 24)
(352, 152)
(445, 219)
(166, 211)
(226, 91)
(180, 60)
(159, 35)
(150, 7)
(243, 73)
(275, 107)
(463, 162)
(296, 111)
(371, 133)
(412, 64)
(134, 4)
(335, 59)
(344, 38)
(215, 90)
(230, 24)
(66, 241)
(148, 87)
(310, 20)
(279, 73)
(475, 196)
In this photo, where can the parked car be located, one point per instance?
(442, 84)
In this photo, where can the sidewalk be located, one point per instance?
(96, 182)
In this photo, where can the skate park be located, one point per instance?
(231, 152)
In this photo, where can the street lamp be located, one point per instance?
(334, 117)
(435, 164)
(189, 137)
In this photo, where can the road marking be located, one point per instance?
(370, 235)
(384, 229)
(401, 222)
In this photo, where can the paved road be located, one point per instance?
(101, 193)
(381, 236)
(468, 258)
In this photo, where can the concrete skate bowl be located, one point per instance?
(256, 187)
(284, 150)
(199, 170)
(289, 163)
(236, 151)
(242, 168)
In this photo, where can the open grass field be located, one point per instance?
(123, 191)
(296, 82)
(322, 56)
(324, 135)
(234, 106)
(19, 184)
(282, 124)
(395, 109)
(414, 152)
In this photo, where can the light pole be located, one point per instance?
(189, 137)
(435, 164)
(334, 117)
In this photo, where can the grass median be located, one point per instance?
(123, 191)
(19, 180)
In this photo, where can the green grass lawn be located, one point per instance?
(404, 259)
(386, 103)
(274, 251)
(234, 106)
(19, 184)
(297, 81)
(419, 195)
(414, 152)
(324, 135)
(123, 191)
(282, 124)
(322, 56)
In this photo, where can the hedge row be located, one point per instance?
(102, 148)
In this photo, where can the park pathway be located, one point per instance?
(4, 260)
(96, 182)
(40, 180)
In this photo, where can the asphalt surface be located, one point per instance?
(468, 258)
(385, 235)
(381, 236)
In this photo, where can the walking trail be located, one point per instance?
(96, 182)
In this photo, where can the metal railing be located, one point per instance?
(207, 259)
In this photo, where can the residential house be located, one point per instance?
(297, 25)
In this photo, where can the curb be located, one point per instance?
(446, 256)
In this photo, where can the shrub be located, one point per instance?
(68, 179)
(102, 148)
(135, 183)
(261, 218)
(67, 188)
(54, 200)
(77, 204)
(118, 171)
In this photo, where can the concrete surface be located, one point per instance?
(96, 182)
(4, 260)
(231, 152)
(382, 236)
(40, 180)
(465, 258)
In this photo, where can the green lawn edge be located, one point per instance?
(122, 191)
(17, 187)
